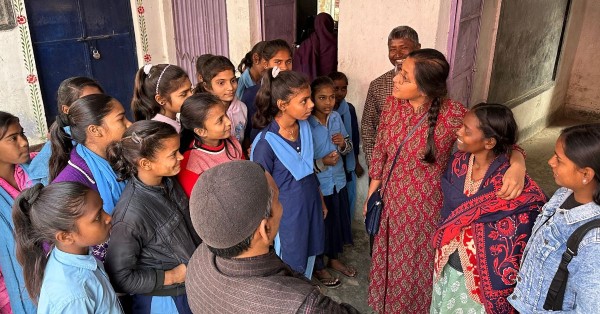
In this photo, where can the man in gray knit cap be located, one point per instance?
(236, 211)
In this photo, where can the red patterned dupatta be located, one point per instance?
(500, 228)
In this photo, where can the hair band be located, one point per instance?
(160, 76)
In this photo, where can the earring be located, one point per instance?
(584, 181)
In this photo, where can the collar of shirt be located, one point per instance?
(87, 261)
(581, 213)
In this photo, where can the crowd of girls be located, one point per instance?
(466, 231)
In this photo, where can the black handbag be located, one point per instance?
(375, 201)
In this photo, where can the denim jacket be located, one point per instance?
(543, 253)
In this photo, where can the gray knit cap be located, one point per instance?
(228, 202)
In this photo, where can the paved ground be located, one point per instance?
(354, 290)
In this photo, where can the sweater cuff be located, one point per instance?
(160, 279)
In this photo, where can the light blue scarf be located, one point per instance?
(344, 111)
(106, 180)
(299, 164)
(244, 82)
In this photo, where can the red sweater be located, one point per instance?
(201, 157)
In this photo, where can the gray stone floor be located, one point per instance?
(354, 290)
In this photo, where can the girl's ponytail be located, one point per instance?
(85, 111)
(30, 252)
(39, 213)
(122, 167)
(61, 144)
(143, 106)
(141, 140)
(246, 62)
(282, 86)
(266, 106)
(248, 59)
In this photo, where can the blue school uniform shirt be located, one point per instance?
(332, 176)
(76, 284)
(345, 110)
(10, 267)
(301, 229)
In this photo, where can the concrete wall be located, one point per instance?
(238, 27)
(19, 84)
(154, 31)
(584, 84)
(536, 113)
(363, 55)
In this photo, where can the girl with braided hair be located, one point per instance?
(401, 268)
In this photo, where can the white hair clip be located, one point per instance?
(275, 71)
(147, 68)
(136, 138)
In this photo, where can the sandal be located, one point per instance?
(329, 282)
(346, 270)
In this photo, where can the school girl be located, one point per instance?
(275, 53)
(285, 149)
(68, 279)
(576, 168)
(69, 90)
(152, 238)
(15, 169)
(206, 139)
(158, 93)
(251, 69)
(218, 79)
(94, 122)
(331, 142)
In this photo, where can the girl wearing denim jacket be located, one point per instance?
(576, 169)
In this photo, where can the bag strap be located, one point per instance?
(556, 292)
(400, 147)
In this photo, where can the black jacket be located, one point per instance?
(151, 233)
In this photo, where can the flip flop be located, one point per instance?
(329, 282)
(347, 271)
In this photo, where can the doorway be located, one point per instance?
(91, 38)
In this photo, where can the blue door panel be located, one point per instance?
(54, 20)
(110, 59)
(65, 33)
(99, 24)
(48, 56)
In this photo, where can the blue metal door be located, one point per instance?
(91, 38)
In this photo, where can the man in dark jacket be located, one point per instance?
(235, 209)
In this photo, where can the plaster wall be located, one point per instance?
(19, 85)
(584, 85)
(239, 30)
(154, 31)
(362, 46)
(535, 113)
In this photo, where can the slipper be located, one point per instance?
(329, 282)
(347, 271)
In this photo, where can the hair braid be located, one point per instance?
(433, 113)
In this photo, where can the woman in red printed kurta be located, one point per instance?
(401, 267)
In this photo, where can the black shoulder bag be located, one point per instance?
(556, 292)
(375, 202)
